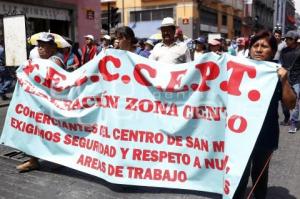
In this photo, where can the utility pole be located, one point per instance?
(108, 18)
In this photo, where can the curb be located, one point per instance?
(4, 104)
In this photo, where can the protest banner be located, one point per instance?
(130, 120)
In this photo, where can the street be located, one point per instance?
(55, 181)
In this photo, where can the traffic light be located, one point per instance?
(114, 16)
(105, 26)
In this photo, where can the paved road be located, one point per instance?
(54, 181)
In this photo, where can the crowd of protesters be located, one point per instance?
(174, 48)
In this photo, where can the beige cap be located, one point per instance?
(214, 42)
(168, 21)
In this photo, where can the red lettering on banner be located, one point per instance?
(103, 131)
(124, 152)
(81, 81)
(156, 174)
(88, 102)
(218, 146)
(30, 67)
(236, 77)
(215, 163)
(138, 136)
(209, 71)
(92, 163)
(53, 76)
(196, 143)
(89, 144)
(116, 171)
(197, 162)
(35, 130)
(46, 119)
(204, 112)
(174, 140)
(226, 187)
(234, 126)
(102, 66)
(131, 104)
(145, 105)
(139, 77)
(175, 81)
(160, 156)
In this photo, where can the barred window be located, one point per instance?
(150, 15)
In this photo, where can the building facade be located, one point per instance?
(284, 15)
(194, 17)
(258, 14)
(70, 18)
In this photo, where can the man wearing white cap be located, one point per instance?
(170, 51)
(105, 43)
(89, 51)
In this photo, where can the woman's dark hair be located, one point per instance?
(126, 32)
(265, 34)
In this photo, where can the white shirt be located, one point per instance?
(242, 53)
(281, 46)
(197, 54)
(176, 53)
(34, 53)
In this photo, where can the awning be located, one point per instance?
(32, 11)
(144, 29)
(291, 19)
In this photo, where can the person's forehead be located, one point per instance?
(42, 43)
(167, 28)
(263, 41)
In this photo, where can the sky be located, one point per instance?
(297, 6)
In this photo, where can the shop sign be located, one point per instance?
(34, 11)
(185, 20)
(90, 14)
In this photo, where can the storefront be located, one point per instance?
(39, 18)
(70, 18)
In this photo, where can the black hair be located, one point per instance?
(278, 31)
(265, 34)
(128, 33)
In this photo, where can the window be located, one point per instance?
(150, 15)
(104, 17)
(237, 25)
(145, 16)
(209, 17)
(224, 20)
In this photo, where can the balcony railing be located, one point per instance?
(236, 4)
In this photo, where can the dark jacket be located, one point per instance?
(290, 59)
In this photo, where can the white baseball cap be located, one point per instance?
(150, 42)
(168, 21)
(90, 37)
(107, 37)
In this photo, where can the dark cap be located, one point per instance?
(200, 40)
(292, 34)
